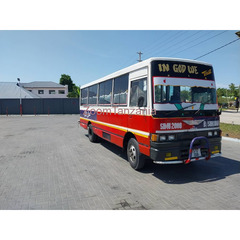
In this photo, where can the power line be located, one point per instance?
(162, 42)
(187, 43)
(148, 48)
(218, 48)
(182, 40)
(201, 42)
(166, 43)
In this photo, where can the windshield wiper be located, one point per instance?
(188, 106)
(200, 108)
(181, 109)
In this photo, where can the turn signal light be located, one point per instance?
(154, 137)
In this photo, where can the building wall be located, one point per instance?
(40, 106)
(46, 93)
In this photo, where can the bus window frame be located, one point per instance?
(129, 91)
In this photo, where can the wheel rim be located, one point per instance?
(132, 153)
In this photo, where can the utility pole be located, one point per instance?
(20, 96)
(238, 34)
(139, 53)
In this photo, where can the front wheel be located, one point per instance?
(91, 135)
(135, 158)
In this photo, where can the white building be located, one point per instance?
(46, 89)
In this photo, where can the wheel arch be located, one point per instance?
(127, 136)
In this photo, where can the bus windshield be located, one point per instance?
(180, 94)
(183, 82)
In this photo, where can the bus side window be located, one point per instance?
(92, 95)
(138, 89)
(105, 92)
(120, 90)
(84, 96)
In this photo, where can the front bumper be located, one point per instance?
(178, 151)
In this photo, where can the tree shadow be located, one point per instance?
(203, 171)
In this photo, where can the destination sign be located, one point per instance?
(182, 69)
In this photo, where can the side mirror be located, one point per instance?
(219, 111)
(140, 101)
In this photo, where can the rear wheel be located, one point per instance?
(135, 158)
(91, 135)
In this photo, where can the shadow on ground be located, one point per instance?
(203, 171)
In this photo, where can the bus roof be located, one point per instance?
(139, 66)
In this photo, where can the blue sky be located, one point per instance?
(89, 55)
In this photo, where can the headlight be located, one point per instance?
(171, 137)
(215, 133)
(210, 134)
(162, 138)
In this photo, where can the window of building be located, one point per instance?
(40, 91)
(105, 92)
(92, 98)
(52, 92)
(138, 94)
(61, 91)
(120, 90)
(84, 96)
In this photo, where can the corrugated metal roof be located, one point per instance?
(11, 90)
(42, 84)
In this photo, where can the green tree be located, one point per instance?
(75, 92)
(221, 92)
(233, 90)
(66, 80)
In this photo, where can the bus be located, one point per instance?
(161, 109)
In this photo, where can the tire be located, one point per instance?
(135, 158)
(91, 135)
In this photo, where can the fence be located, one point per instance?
(40, 106)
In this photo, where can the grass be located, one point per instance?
(230, 108)
(230, 130)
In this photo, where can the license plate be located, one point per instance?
(196, 153)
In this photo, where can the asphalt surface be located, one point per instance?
(231, 116)
(47, 162)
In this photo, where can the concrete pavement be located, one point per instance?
(47, 162)
(230, 116)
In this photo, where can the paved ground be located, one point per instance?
(47, 162)
(232, 117)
